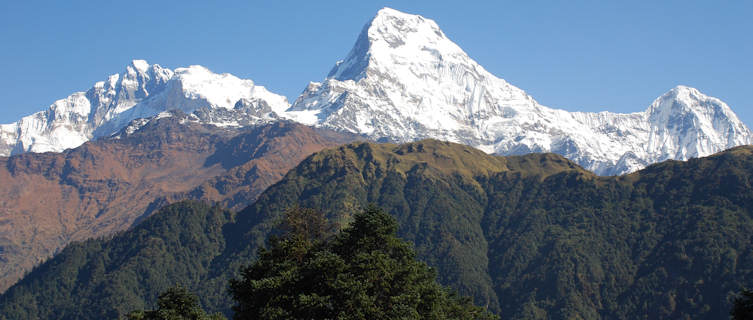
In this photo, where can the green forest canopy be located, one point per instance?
(531, 237)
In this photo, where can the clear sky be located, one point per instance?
(575, 55)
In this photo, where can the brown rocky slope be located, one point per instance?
(49, 200)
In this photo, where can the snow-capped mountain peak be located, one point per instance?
(140, 65)
(222, 90)
(405, 80)
(390, 38)
(686, 123)
(140, 91)
(395, 36)
(684, 99)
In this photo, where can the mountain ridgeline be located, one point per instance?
(404, 80)
(529, 237)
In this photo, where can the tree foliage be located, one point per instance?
(108, 278)
(177, 303)
(306, 225)
(364, 272)
(529, 237)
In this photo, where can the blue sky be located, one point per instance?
(574, 55)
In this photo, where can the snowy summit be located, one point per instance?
(141, 91)
(403, 80)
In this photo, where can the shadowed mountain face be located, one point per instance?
(531, 237)
(48, 200)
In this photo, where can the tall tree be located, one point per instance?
(364, 272)
(176, 303)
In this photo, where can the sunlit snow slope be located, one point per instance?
(405, 80)
(141, 91)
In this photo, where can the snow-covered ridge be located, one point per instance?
(140, 91)
(405, 80)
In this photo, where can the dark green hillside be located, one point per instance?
(105, 279)
(531, 236)
(433, 189)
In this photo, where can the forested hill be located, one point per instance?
(106, 186)
(530, 237)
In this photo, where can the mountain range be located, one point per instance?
(404, 80)
(157, 177)
(528, 237)
(141, 91)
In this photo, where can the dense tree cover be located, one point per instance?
(107, 278)
(364, 272)
(177, 303)
(529, 237)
